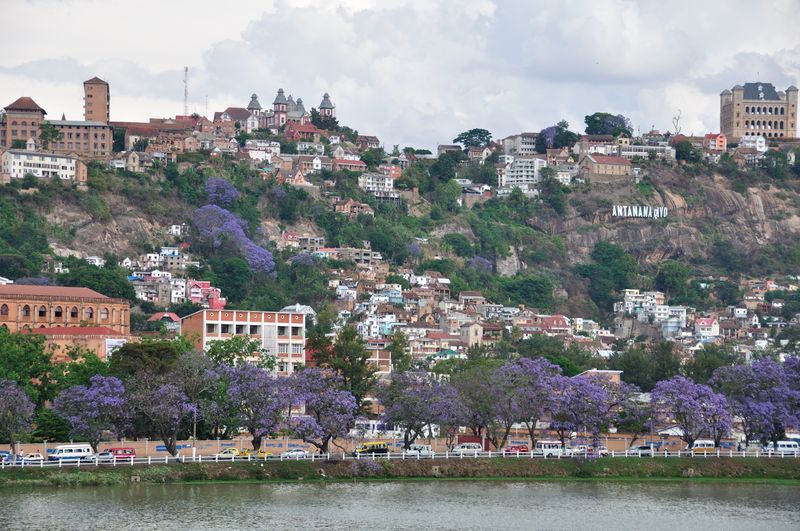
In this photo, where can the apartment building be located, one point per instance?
(281, 334)
(17, 163)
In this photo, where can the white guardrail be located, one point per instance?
(181, 459)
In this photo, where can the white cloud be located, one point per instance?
(411, 72)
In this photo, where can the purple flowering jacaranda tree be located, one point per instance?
(534, 391)
(581, 404)
(93, 409)
(164, 407)
(762, 397)
(414, 401)
(329, 412)
(257, 400)
(694, 408)
(221, 192)
(16, 412)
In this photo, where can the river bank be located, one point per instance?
(671, 468)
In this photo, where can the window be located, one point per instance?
(239, 329)
(210, 328)
(89, 314)
(58, 313)
(296, 331)
(297, 349)
(283, 330)
(4, 310)
(42, 311)
(73, 313)
(226, 329)
(283, 348)
(254, 330)
(26, 311)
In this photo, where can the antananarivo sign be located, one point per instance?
(638, 211)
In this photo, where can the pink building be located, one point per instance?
(203, 293)
(715, 141)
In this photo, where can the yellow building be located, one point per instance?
(758, 109)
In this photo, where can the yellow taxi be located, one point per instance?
(252, 454)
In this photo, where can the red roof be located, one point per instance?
(608, 159)
(441, 335)
(96, 80)
(238, 113)
(24, 104)
(50, 291)
(302, 128)
(74, 331)
(346, 162)
(160, 316)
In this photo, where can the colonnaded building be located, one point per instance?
(758, 109)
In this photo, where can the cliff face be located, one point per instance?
(699, 210)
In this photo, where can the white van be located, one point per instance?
(421, 450)
(550, 449)
(71, 452)
(784, 448)
(468, 448)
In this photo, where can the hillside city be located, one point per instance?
(650, 265)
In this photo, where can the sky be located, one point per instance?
(412, 72)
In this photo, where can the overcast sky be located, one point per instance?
(412, 72)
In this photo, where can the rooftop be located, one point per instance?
(49, 291)
(75, 331)
(78, 123)
(24, 104)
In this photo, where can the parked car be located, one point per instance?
(471, 448)
(105, 457)
(645, 450)
(585, 450)
(421, 450)
(295, 453)
(6, 456)
(261, 454)
(228, 453)
(33, 458)
(516, 449)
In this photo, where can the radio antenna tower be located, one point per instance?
(186, 91)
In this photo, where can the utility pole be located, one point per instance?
(186, 91)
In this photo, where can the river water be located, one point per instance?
(461, 505)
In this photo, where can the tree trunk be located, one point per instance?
(257, 442)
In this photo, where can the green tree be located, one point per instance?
(646, 366)
(238, 349)
(446, 196)
(23, 359)
(459, 244)
(474, 138)
(603, 123)
(708, 359)
(672, 277)
(398, 349)
(373, 157)
(232, 276)
(82, 365)
(684, 150)
(110, 281)
(48, 133)
(349, 358)
(149, 356)
(19, 143)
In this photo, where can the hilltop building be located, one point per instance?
(96, 100)
(757, 109)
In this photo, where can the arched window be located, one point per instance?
(58, 312)
(783, 111)
(104, 314)
(73, 313)
(747, 109)
(26, 311)
(23, 122)
(781, 125)
(89, 314)
(4, 310)
(42, 311)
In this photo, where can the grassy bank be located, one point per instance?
(729, 469)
